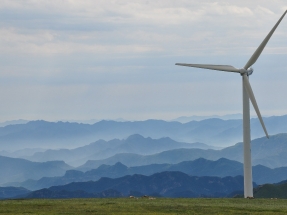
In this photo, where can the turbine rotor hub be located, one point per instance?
(248, 72)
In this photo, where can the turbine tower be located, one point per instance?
(245, 72)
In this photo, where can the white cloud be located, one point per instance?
(128, 50)
(264, 10)
(82, 26)
(227, 9)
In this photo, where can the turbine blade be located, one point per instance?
(257, 53)
(225, 68)
(253, 101)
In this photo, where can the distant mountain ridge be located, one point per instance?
(175, 185)
(13, 122)
(268, 152)
(186, 119)
(199, 167)
(216, 132)
(278, 190)
(9, 192)
(103, 149)
(167, 184)
(16, 169)
(22, 153)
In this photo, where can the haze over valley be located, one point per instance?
(60, 153)
(55, 135)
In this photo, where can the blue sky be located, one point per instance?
(103, 59)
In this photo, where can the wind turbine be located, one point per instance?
(247, 94)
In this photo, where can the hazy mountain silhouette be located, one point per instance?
(16, 169)
(167, 184)
(216, 132)
(63, 194)
(9, 192)
(200, 167)
(268, 152)
(104, 149)
(278, 190)
(13, 122)
(22, 153)
(185, 119)
(175, 185)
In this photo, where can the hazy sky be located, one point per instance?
(108, 59)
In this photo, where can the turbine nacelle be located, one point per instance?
(248, 72)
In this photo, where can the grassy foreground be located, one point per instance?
(144, 206)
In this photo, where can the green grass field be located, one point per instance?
(144, 206)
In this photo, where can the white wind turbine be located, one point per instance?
(247, 94)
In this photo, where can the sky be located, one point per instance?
(110, 59)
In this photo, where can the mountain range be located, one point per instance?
(147, 152)
(200, 167)
(268, 152)
(13, 122)
(10, 192)
(166, 184)
(278, 190)
(185, 119)
(215, 132)
(102, 149)
(16, 169)
(137, 151)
